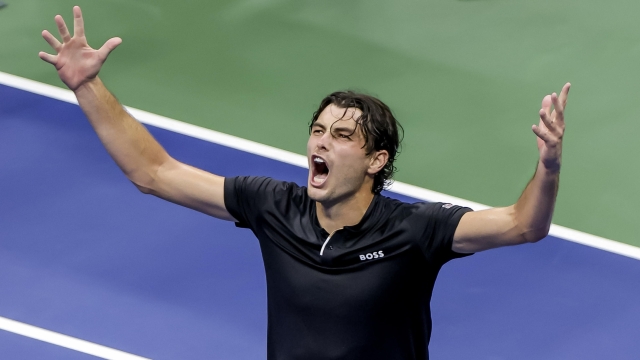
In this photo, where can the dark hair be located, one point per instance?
(379, 127)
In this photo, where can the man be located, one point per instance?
(349, 272)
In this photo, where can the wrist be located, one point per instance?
(87, 86)
(549, 168)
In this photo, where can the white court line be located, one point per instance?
(299, 160)
(262, 150)
(65, 341)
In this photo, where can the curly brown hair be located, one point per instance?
(380, 128)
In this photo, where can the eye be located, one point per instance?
(343, 136)
(317, 131)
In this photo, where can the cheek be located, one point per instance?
(352, 165)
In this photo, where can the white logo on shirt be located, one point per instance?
(447, 206)
(373, 255)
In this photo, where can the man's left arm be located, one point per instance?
(529, 219)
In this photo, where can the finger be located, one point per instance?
(544, 135)
(546, 103)
(55, 44)
(559, 108)
(564, 94)
(109, 46)
(62, 28)
(78, 22)
(546, 106)
(546, 119)
(51, 59)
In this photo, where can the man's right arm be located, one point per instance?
(142, 158)
(136, 152)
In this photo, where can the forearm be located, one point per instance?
(129, 143)
(534, 209)
(529, 219)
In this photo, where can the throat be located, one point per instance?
(347, 212)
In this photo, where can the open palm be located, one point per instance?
(76, 61)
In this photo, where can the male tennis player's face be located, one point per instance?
(338, 164)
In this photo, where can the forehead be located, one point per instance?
(344, 116)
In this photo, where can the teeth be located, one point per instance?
(318, 160)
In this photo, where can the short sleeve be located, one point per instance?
(254, 201)
(243, 195)
(442, 219)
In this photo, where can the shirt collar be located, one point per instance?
(363, 225)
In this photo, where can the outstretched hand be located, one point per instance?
(550, 130)
(76, 62)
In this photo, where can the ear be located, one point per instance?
(377, 161)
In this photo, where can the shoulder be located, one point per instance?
(260, 189)
(250, 198)
(421, 217)
(396, 209)
(439, 210)
(258, 184)
(420, 209)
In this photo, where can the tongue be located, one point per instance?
(320, 178)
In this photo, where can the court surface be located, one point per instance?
(83, 253)
(464, 77)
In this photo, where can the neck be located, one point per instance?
(346, 212)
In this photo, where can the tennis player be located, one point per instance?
(349, 272)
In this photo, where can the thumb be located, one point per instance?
(109, 46)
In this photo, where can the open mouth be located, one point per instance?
(319, 171)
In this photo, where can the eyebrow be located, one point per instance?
(345, 129)
(335, 128)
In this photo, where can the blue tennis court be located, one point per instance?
(83, 253)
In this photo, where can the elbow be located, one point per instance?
(534, 235)
(142, 189)
(531, 229)
(144, 181)
(152, 179)
(149, 180)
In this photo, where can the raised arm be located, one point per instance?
(137, 153)
(529, 219)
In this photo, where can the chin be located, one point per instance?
(316, 194)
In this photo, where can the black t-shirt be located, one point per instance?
(367, 295)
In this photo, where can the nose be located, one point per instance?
(323, 141)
